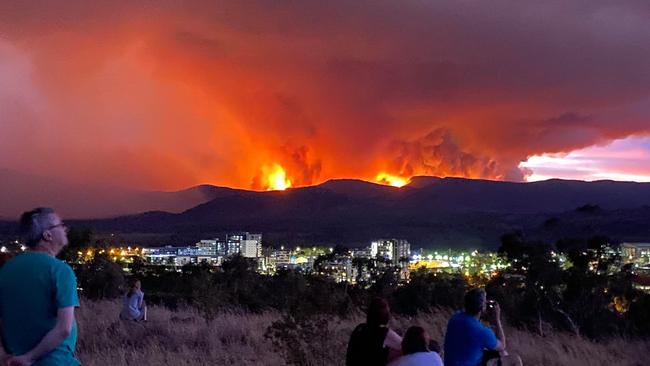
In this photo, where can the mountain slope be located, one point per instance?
(447, 212)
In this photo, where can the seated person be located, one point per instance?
(134, 307)
(372, 343)
(415, 351)
(467, 339)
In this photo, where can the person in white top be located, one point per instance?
(134, 307)
(415, 350)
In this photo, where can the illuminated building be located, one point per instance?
(207, 248)
(340, 269)
(211, 251)
(636, 252)
(251, 246)
(391, 249)
(360, 253)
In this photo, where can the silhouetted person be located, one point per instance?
(415, 350)
(38, 295)
(133, 307)
(467, 339)
(372, 343)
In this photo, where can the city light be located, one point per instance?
(477, 268)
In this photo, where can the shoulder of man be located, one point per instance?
(61, 267)
(62, 263)
(456, 317)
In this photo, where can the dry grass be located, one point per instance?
(233, 338)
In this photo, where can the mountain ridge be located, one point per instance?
(431, 211)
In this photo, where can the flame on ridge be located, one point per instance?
(275, 178)
(391, 180)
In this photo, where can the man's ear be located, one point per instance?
(47, 236)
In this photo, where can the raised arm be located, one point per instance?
(498, 328)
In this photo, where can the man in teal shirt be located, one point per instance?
(38, 295)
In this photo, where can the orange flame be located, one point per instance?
(392, 180)
(275, 178)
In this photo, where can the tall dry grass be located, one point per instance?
(235, 338)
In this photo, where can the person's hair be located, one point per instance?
(33, 224)
(415, 340)
(378, 312)
(133, 286)
(474, 301)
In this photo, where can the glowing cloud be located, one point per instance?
(165, 95)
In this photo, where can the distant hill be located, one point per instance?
(430, 212)
(442, 212)
(553, 195)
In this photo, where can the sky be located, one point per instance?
(623, 160)
(163, 95)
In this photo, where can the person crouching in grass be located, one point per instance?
(134, 307)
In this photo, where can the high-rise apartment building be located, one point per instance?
(391, 249)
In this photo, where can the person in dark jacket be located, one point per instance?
(373, 343)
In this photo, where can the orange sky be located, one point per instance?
(164, 96)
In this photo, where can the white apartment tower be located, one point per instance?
(251, 245)
(391, 249)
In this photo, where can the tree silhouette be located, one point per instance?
(101, 278)
(78, 240)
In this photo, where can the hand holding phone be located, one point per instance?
(494, 310)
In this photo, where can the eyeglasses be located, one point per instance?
(62, 225)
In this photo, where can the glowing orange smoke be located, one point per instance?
(275, 178)
(392, 180)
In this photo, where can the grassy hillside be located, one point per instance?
(185, 337)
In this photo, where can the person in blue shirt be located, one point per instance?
(38, 296)
(467, 338)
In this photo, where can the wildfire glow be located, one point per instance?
(392, 180)
(275, 178)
